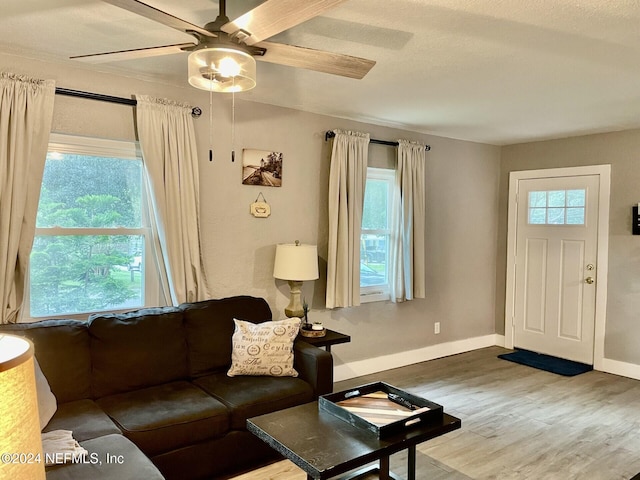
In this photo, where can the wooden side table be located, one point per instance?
(331, 338)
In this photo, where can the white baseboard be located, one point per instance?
(402, 359)
(620, 368)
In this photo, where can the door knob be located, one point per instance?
(589, 280)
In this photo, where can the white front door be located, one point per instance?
(556, 265)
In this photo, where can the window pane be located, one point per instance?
(575, 198)
(537, 199)
(87, 191)
(557, 198)
(373, 259)
(537, 216)
(374, 216)
(575, 216)
(555, 216)
(84, 273)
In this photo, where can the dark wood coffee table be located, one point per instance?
(325, 446)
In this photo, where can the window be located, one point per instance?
(89, 251)
(557, 207)
(375, 239)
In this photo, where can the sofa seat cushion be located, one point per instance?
(112, 457)
(248, 396)
(84, 418)
(166, 417)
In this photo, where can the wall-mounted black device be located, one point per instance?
(636, 221)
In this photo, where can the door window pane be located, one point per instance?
(575, 198)
(537, 199)
(557, 207)
(538, 216)
(557, 198)
(555, 216)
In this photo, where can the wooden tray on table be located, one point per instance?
(380, 408)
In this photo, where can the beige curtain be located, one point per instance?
(167, 140)
(347, 179)
(408, 251)
(26, 113)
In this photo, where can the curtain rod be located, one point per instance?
(330, 134)
(195, 111)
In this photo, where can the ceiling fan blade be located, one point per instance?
(159, 16)
(275, 16)
(318, 60)
(133, 54)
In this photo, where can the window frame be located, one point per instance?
(100, 147)
(378, 293)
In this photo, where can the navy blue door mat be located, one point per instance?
(551, 364)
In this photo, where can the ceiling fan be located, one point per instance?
(242, 40)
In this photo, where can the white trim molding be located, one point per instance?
(622, 369)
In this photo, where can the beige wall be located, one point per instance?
(622, 151)
(239, 249)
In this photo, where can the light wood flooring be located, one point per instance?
(517, 422)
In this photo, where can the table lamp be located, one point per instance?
(296, 263)
(19, 420)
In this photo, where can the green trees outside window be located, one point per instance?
(88, 252)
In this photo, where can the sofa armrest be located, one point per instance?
(315, 366)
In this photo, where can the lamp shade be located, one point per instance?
(295, 261)
(220, 69)
(19, 420)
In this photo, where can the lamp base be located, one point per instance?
(295, 308)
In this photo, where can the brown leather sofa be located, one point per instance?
(150, 388)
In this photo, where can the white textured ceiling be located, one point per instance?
(491, 71)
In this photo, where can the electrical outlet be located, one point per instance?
(436, 328)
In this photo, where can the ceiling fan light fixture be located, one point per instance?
(220, 69)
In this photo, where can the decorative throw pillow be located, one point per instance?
(47, 403)
(264, 348)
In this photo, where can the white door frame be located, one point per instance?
(604, 172)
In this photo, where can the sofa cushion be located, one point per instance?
(209, 326)
(248, 397)
(166, 417)
(264, 349)
(84, 418)
(127, 462)
(137, 349)
(62, 350)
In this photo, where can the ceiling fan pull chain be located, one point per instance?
(210, 125)
(233, 122)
